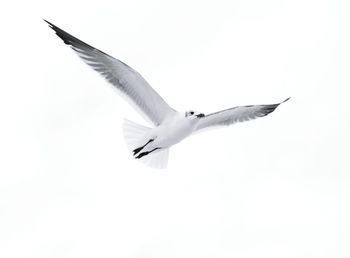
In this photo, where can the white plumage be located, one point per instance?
(151, 145)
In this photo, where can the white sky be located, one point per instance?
(274, 187)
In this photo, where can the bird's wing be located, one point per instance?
(236, 114)
(129, 82)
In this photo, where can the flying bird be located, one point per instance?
(151, 144)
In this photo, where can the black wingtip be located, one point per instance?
(267, 109)
(49, 23)
(66, 37)
(69, 39)
(285, 100)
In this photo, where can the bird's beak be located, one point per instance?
(200, 115)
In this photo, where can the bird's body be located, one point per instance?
(151, 145)
(170, 132)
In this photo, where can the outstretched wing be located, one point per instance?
(129, 82)
(236, 114)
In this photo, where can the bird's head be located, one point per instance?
(191, 115)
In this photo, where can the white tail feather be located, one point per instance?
(135, 135)
(157, 159)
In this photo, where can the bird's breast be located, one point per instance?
(172, 133)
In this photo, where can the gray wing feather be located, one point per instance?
(237, 114)
(129, 82)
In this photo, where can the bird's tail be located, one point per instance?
(134, 133)
(135, 136)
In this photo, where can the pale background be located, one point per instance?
(274, 187)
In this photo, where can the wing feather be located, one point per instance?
(129, 82)
(236, 114)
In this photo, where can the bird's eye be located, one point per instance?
(191, 113)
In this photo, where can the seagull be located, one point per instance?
(169, 127)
